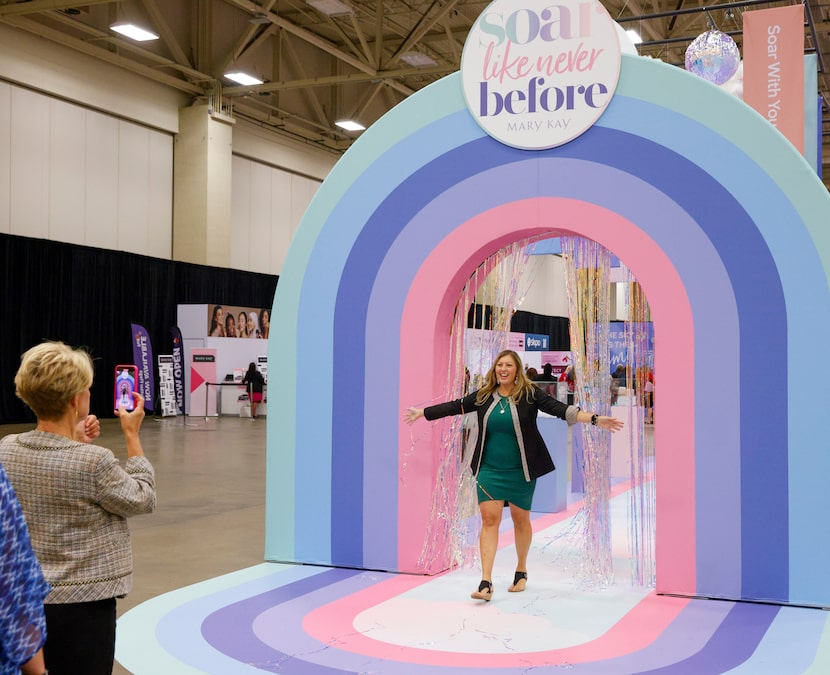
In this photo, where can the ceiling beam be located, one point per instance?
(367, 53)
(167, 35)
(303, 34)
(423, 26)
(378, 33)
(104, 55)
(308, 93)
(38, 6)
(243, 42)
(653, 32)
(128, 46)
(353, 78)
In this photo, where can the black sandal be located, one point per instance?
(519, 582)
(484, 592)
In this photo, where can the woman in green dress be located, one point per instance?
(509, 455)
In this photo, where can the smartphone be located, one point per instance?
(125, 384)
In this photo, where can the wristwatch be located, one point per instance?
(594, 419)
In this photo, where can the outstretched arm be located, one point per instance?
(610, 423)
(413, 414)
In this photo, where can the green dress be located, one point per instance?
(501, 476)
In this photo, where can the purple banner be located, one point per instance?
(178, 368)
(618, 344)
(143, 357)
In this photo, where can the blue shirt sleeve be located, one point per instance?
(22, 586)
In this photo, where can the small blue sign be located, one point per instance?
(536, 343)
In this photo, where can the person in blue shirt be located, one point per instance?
(22, 591)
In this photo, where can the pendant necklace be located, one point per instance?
(501, 406)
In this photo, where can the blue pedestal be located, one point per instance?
(551, 493)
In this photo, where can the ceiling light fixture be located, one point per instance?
(331, 7)
(418, 60)
(350, 125)
(243, 78)
(134, 32)
(634, 36)
(260, 20)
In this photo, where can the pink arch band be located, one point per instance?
(431, 301)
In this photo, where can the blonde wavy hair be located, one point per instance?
(50, 374)
(524, 386)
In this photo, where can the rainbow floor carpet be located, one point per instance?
(306, 620)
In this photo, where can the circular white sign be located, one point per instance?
(537, 75)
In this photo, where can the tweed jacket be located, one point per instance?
(76, 498)
(536, 459)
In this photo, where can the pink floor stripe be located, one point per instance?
(333, 624)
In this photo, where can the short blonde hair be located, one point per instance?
(50, 374)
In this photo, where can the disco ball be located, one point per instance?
(714, 56)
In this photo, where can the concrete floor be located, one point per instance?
(210, 517)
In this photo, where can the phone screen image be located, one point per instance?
(125, 383)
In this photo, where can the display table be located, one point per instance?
(620, 466)
(228, 394)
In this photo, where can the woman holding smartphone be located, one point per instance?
(76, 498)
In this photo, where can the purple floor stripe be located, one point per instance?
(684, 637)
(229, 629)
(734, 642)
(739, 632)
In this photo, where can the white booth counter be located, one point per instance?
(229, 403)
(225, 399)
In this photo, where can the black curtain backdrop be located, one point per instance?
(88, 297)
(555, 327)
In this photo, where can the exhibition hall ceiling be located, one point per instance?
(322, 61)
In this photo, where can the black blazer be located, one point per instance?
(255, 381)
(536, 459)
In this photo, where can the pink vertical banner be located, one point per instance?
(202, 373)
(774, 68)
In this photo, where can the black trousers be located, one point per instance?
(80, 638)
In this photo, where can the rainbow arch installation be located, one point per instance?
(720, 219)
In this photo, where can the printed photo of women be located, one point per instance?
(264, 323)
(230, 325)
(233, 321)
(253, 331)
(242, 325)
(217, 322)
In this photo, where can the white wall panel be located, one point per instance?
(101, 181)
(88, 81)
(302, 190)
(260, 242)
(267, 205)
(133, 188)
(79, 176)
(282, 232)
(29, 181)
(261, 146)
(160, 204)
(67, 181)
(240, 212)
(5, 153)
(544, 286)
